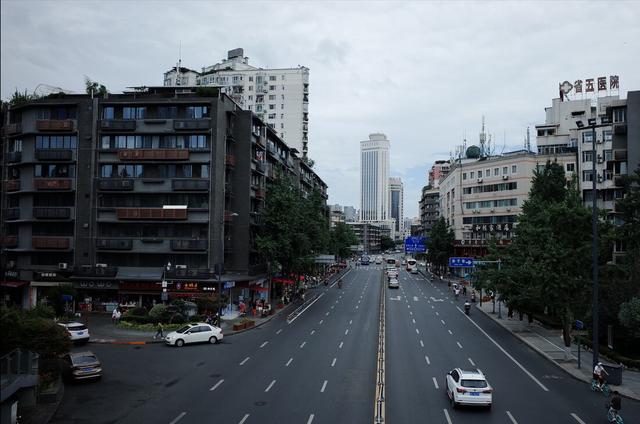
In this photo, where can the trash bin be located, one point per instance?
(615, 374)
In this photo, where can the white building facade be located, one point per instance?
(374, 179)
(396, 205)
(279, 96)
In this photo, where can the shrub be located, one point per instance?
(138, 319)
(177, 319)
(137, 311)
(159, 312)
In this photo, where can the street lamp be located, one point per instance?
(592, 124)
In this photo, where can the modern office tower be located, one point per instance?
(350, 214)
(279, 96)
(374, 179)
(396, 206)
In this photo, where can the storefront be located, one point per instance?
(96, 296)
(144, 294)
(14, 293)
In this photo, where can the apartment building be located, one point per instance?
(481, 197)
(279, 96)
(438, 172)
(369, 235)
(138, 197)
(428, 206)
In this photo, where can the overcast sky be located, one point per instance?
(423, 73)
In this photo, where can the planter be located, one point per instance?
(238, 326)
(249, 324)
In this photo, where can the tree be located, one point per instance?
(342, 238)
(629, 315)
(29, 331)
(440, 245)
(94, 87)
(56, 301)
(387, 243)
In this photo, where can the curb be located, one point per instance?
(547, 357)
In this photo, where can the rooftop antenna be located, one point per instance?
(179, 64)
(483, 140)
(527, 144)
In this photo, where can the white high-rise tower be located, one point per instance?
(374, 179)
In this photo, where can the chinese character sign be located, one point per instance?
(589, 85)
(461, 262)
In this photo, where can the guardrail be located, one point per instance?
(379, 409)
(19, 368)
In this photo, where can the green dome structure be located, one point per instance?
(473, 152)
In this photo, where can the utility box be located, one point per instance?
(615, 374)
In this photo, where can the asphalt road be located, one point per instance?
(320, 368)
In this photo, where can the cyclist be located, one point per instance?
(597, 374)
(615, 406)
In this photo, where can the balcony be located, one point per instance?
(153, 154)
(13, 128)
(10, 241)
(230, 161)
(91, 271)
(618, 180)
(52, 184)
(12, 214)
(54, 125)
(260, 141)
(197, 273)
(118, 125)
(52, 213)
(191, 124)
(14, 157)
(620, 155)
(116, 184)
(255, 219)
(188, 244)
(188, 184)
(12, 185)
(260, 193)
(50, 242)
(54, 154)
(228, 216)
(114, 244)
(151, 214)
(619, 129)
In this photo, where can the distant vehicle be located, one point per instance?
(412, 266)
(390, 263)
(194, 333)
(78, 332)
(81, 365)
(393, 283)
(378, 260)
(392, 273)
(468, 387)
(364, 260)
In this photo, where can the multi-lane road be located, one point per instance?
(321, 368)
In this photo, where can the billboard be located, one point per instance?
(415, 244)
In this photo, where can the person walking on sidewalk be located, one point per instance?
(114, 316)
(159, 331)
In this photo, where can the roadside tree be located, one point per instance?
(440, 245)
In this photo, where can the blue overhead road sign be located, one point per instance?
(460, 262)
(415, 244)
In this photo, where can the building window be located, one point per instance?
(464, 175)
(108, 112)
(272, 77)
(608, 155)
(55, 142)
(607, 135)
(587, 156)
(272, 96)
(505, 170)
(250, 79)
(514, 169)
(496, 172)
(251, 88)
(587, 175)
(282, 116)
(282, 96)
(471, 174)
(282, 106)
(54, 170)
(587, 137)
(619, 115)
(134, 112)
(281, 125)
(272, 116)
(571, 167)
(272, 107)
(197, 112)
(480, 173)
(282, 78)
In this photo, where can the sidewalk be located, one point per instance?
(549, 344)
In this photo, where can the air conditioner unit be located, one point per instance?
(181, 267)
(505, 177)
(508, 209)
(598, 141)
(492, 210)
(101, 265)
(63, 265)
(599, 178)
(479, 180)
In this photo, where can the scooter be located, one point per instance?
(467, 308)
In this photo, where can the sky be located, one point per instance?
(423, 73)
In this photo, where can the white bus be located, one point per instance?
(412, 266)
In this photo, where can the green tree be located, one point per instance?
(342, 238)
(387, 243)
(55, 298)
(29, 331)
(440, 245)
(629, 315)
(94, 87)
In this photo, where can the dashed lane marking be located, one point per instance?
(270, 386)
(333, 363)
(215, 386)
(421, 343)
(442, 321)
(244, 361)
(263, 344)
(513, 420)
(312, 332)
(414, 320)
(320, 322)
(435, 383)
(471, 362)
(279, 331)
(178, 418)
(340, 345)
(450, 332)
(346, 331)
(310, 420)
(426, 358)
(324, 386)
(446, 415)
(288, 362)
(577, 418)
(417, 331)
(243, 419)
(302, 345)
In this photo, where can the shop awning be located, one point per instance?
(13, 284)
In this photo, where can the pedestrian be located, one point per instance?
(159, 331)
(118, 316)
(113, 316)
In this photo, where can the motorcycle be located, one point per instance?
(467, 308)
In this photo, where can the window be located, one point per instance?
(471, 174)
(272, 87)
(272, 96)
(272, 77)
(608, 155)
(56, 142)
(134, 112)
(587, 137)
(58, 113)
(587, 156)
(52, 170)
(197, 112)
(487, 173)
(272, 116)
(480, 173)
(250, 79)
(282, 106)
(587, 176)
(251, 97)
(464, 175)
(619, 115)
(250, 87)
(272, 107)
(514, 169)
(606, 135)
(282, 96)
(496, 171)
(197, 142)
(505, 169)
(15, 145)
(108, 112)
(571, 167)
(167, 112)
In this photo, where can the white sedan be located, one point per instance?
(78, 332)
(468, 387)
(393, 283)
(194, 333)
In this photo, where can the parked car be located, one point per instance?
(81, 365)
(393, 283)
(78, 332)
(468, 387)
(194, 333)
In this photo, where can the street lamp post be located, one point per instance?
(594, 230)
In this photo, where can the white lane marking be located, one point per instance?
(350, 321)
(577, 418)
(288, 362)
(216, 385)
(332, 306)
(324, 386)
(243, 419)
(446, 415)
(426, 358)
(244, 361)
(308, 306)
(178, 418)
(270, 386)
(333, 363)
(279, 331)
(414, 320)
(357, 306)
(408, 306)
(302, 345)
(346, 331)
(415, 298)
(340, 345)
(450, 332)
(435, 383)
(506, 353)
(513, 420)
(442, 321)
(437, 313)
(321, 321)
(421, 343)
(263, 345)
(312, 332)
(410, 313)
(433, 307)
(471, 362)
(310, 420)
(327, 314)
(417, 331)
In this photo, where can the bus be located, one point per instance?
(390, 263)
(412, 266)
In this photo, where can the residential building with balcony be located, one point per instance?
(428, 206)
(118, 194)
(279, 96)
(369, 236)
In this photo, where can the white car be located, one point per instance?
(393, 283)
(392, 274)
(194, 333)
(468, 387)
(78, 332)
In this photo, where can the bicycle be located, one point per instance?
(613, 416)
(604, 388)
